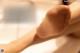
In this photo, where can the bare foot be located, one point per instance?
(56, 20)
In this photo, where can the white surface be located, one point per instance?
(45, 47)
(10, 32)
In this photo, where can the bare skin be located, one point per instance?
(54, 22)
(71, 43)
(52, 19)
(26, 40)
(75, 15)
(19, 44)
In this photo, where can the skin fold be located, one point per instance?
(75, 16)
(71, 43)
(58, 23)
(31, 38)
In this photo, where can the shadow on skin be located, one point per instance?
(70, 45)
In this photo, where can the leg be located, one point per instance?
(75, 16)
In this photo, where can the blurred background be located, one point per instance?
(18, 17)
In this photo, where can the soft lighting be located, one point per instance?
(45, 47)
(1, 16)
(1, 24)
(40, 15)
